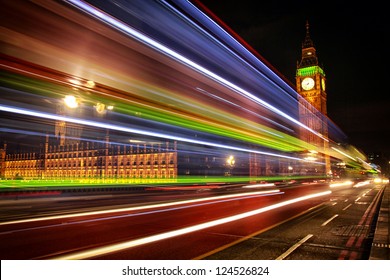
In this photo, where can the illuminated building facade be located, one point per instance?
(94, 160)
(310, 84)
(2, 161)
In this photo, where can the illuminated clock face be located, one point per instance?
(323, 84)
(307, 83)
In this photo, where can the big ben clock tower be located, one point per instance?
(310, 83)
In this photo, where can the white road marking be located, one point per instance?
(346, 207)
(295, 246)
(328, 221)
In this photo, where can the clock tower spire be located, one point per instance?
(310, 83)
(310, 77)
(309, 56)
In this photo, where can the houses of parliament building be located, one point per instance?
(100, 159)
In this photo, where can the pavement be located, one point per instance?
(380, 248)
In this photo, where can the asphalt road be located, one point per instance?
(341, 228)
(258, 223)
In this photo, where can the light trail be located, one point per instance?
(255, 64)
(159, 47)
(136, 131)
(343, 153)
(145, 207)
(249, 111)
(249, 56)
(224, 124)
(341, 184)
(162, 115)
(259, 185)
(361, 184)
(158, 237)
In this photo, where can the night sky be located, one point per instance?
(351, 48)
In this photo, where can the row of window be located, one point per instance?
(111, 150)
(59, 174)
(80, 163)
(94, 154)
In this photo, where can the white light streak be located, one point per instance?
(249, 111)
(345, 154)
(242, 48)
(361, 184)
(259, 185)
(342, 184)
(157, 46)
(145, 207)
(145, 240)
(133, 130)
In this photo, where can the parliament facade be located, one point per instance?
(92, 160)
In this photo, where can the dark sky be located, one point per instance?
(351, 48)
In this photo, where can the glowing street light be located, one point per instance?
(230, 160)
(290, 169)
(100, 108)
(71, 101)
(311, 156)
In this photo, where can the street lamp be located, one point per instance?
(101, 108)
(71, 101)
(290, 170)
(230, 161)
